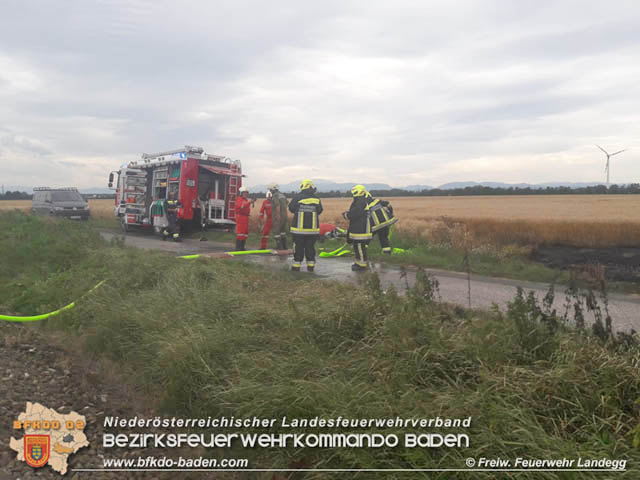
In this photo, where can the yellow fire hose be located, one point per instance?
(240, 252)
(335, 253)
(44, 316)
(248, 252)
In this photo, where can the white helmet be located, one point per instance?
(273, 186)
(243, 189)
(269, 194)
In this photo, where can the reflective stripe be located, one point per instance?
(311, 264)
(309, 201)
(360, 236)
(372, 204)
(296, 265)
(384, 224)
(386, 249)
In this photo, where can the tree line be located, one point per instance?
(629, 189)
(9, 195)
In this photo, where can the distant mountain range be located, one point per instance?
(329, 186)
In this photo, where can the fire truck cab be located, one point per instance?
(206, 186)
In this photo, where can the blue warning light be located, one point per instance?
(183, 155)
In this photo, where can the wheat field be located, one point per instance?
(579, 220)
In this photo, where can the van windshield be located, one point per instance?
(66, 196)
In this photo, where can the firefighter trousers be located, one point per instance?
(265, 234)
(173, 229)
(360, 251)
(304, 248)
(242, 227)
(383, 236)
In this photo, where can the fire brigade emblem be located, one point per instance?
(36, 450)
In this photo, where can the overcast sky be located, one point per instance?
(396, 92)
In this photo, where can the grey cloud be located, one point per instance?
(327, 87)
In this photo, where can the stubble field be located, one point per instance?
(576, 220)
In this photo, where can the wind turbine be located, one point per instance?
(609, 155)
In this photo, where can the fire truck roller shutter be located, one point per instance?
(220, 171)
(207, 185)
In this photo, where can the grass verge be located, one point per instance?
(222, 338)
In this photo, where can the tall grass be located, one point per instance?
(217, 337)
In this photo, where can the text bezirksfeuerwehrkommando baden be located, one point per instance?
(285, 422)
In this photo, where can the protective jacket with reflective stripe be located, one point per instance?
(359, 221)
(306, 209)
(381, 214)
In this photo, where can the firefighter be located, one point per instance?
(266, 215)
(329, 230)
(306, 208)
(173, 207)
(381, 214)
(243, 210)
(359, 233)
(280, 220)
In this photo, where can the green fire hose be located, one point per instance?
(44, 316)
(248, 252)
(339, 252)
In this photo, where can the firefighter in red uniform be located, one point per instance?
(243, 210)
(329, 230)
(266, 219)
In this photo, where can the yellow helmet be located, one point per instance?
(306, 184)
(359, 191)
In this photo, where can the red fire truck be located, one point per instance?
(206, 186)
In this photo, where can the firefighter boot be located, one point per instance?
(357, 267)
(284, 242)
(295, 267)
(240, 245)
(311, 266)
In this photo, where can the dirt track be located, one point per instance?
(485, 291)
